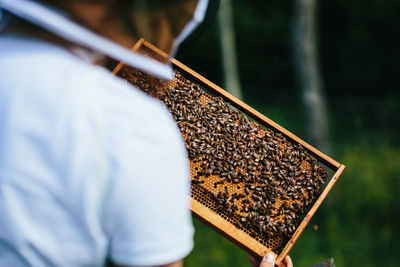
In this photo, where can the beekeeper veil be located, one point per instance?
(165, 23)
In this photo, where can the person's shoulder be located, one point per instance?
(126, 107)
(31, 62)
(57, 79)
(122, 101)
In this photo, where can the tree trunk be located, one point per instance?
(305, 52)
(229, 61)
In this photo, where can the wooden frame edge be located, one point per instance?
(223, 227)
(310, 214)
(333, 164)
(239, 104)
(134, 48)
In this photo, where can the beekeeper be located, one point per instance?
(92, 170)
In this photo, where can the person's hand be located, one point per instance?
(269, 261)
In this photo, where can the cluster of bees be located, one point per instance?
(260, 180)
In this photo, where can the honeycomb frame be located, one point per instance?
(224, 225)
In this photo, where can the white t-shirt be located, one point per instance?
(90, 167)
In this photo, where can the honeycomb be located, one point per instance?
(250, 175)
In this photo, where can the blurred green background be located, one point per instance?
(358, 46)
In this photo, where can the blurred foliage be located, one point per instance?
(359, 52)
(358, 223)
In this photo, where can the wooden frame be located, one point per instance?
(209, 217)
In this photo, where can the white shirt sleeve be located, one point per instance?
(148, 215)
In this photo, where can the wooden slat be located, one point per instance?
(260, 118)
(228, 230)
(155, 49)
(134, 48)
